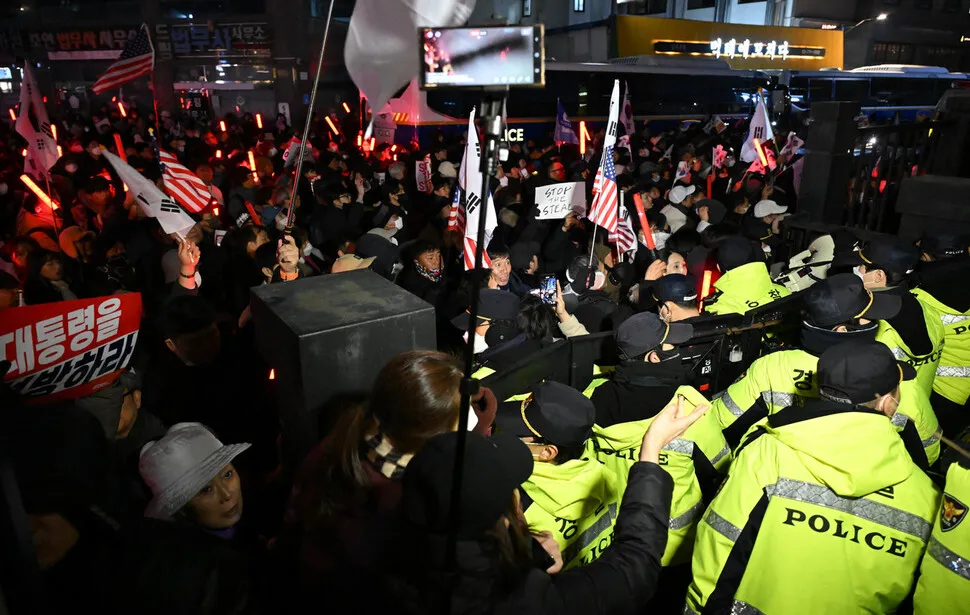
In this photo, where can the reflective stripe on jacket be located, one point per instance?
(814, 497)
(695, 461)
(953, 372)
(944, 580)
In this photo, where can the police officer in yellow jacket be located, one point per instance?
(837, 310)
(824, 511)
(745, 283)
(944, 580)
(697, 461)
(569, 494)
(915, 335)
(942, 291)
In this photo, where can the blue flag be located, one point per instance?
(564, 128)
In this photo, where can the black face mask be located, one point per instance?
(403, 200)
(666, 355)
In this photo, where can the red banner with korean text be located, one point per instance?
(68, 349)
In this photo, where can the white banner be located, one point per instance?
(557, 200)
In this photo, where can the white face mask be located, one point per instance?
(480, 344)
(660, 240)
(70, 167)
(858, 271)
(307, 249)
(398, 223)
(272, 151)
(503, 181)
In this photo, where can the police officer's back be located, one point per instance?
(824, 510)
(837, 310)
(569, 494)
(744, 284)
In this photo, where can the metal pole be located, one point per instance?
(491, 118)
(306, 127)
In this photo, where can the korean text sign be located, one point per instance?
(556, 201)
(69, 349)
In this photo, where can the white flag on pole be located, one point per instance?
(35, 127)
(759, 129)
(152, 201)
(470, 180)
(381, 53)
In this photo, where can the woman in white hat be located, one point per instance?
(192, 478)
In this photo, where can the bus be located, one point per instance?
(885, 92)
(664, 92)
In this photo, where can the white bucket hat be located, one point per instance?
(177, 466)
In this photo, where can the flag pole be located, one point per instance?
(306, 127)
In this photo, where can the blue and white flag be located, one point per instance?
(564, 128)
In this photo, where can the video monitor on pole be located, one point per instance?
(484, 57)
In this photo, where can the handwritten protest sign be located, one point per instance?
(69, 349)
(557, 200)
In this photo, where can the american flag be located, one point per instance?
(456, 217)
(603, 211)
(183, 185)
(624, 237)
(136, 59)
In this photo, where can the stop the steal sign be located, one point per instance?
(556, 201)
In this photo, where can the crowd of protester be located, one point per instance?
(165, 492)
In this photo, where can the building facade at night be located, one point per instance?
(254, 55)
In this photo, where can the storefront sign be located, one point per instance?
(221, 40)
(95, 44)
(741, 46)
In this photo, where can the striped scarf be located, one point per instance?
(381, 454)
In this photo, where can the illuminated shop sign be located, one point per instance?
(733, 48)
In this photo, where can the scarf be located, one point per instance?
(431, 274)
(379, 452)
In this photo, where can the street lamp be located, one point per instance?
(879, 17)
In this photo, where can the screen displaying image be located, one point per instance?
(479, 57)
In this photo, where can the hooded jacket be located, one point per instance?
(826, 510)
(743, 289)
(577, 502)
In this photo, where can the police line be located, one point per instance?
(720, 350)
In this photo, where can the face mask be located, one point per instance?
(480, 345)
(272, 151)
(70, 168)
(402, 199)
(666, 355)
(655, 177)
(599, 280)
(857, 270)
(660, 240)
(180, 148)
(398, 223)
(867, 327)
(503, 181)
(307, 249)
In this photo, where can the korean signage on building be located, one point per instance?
(213, 40)
(80, 44)
(742, 46)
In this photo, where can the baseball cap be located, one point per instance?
(675, 287)
(768, 207)
(554, 413)
(492, 469)
(351, 262)
(889, 254)
(645, 331)
(842, 297)
(859, 372)
(493, 304)
(679, 193)
(715, 210)
(737, 251)
(943, 246)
